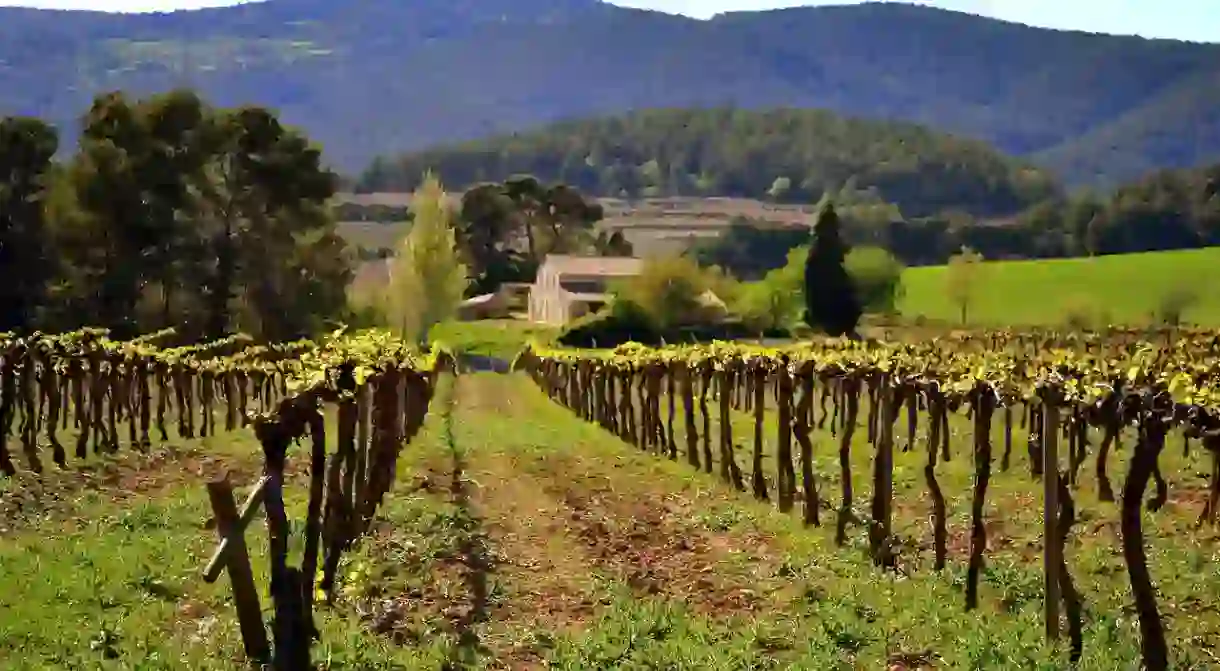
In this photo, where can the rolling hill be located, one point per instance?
(370, 76)
(787, 155)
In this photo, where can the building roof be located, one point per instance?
(593, 265)
(586, 297)
(482, 299)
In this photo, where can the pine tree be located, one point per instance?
(427, 278)
(831, 304)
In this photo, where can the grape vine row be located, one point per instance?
(1062, 387)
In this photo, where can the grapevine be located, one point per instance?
(1061, 385)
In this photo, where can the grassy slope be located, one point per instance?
(1119, 289)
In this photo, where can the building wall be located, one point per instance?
(545, 300)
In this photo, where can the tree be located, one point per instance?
(668, 290)
(612, 244)
(427, 277)
(877, 277)
(26, 149)
(529, 198)
(486, 232)
(507, 229)
(773, 302)
(177, 125)
(175, 213)
(566, 222)
(127, 220)
(830, 297)
(779, 155)
(962, 279)
(748, 250)
(106, 227)
(278, 193)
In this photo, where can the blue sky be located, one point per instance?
(1197, 20)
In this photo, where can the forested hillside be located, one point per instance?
(784, 155)
(367, 77)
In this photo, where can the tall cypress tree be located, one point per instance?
(830, 298)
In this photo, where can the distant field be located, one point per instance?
(369, 234)
(1125, 289)
(654, 226)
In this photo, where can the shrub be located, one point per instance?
(1078, 314)
(877, 277)
(772, 303)
(668, 291)
(1175, 303)
(621, 321)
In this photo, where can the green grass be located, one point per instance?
(531, 538)
(500, 338)
(1124, 289)
(100, 565)
(518, 536)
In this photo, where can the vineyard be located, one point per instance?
(1072, 395)
(985, 497)
(106, 393)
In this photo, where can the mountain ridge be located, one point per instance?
(1093, 108)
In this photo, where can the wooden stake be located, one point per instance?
(1050, 516)
(232, 554)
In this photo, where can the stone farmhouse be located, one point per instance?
(568, 287)
(565, 288)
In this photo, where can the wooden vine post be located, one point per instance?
(233, 556)
(883, 477)
(1051, 550)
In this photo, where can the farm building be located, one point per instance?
(568, 287)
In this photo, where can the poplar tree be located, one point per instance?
(427, 276)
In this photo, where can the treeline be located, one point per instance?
(786, 155)
(1172, 209)
(1169, 209)
(168, 212)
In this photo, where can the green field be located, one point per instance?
(1123, 289)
